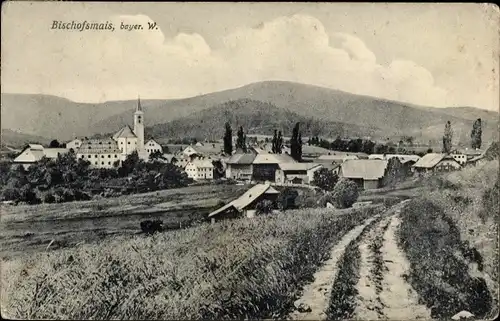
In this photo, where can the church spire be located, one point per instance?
(139, 107)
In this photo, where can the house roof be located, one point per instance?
(35, 147)
(207, 148)
(99, 146)
(151, 141)
(37, 154)
(311, 149)
(429, 160)
(298, 166)
(273, 159)
(367, 169)
(125, 132)
(242, 159)
(403, 158)
(335, 156)
(247, 198)
(54, 152)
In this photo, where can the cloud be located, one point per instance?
(103, 65)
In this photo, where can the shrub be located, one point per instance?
(264, 207)
(11, 194)
(28, 195)
(49, 198)
(325, 179)
(287, 198)
(345, 193)
(151, 227)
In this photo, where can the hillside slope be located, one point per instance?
(56, 117)
(256, 117)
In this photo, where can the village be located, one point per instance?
(249, 161)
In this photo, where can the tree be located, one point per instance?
(228, 140)
(279, 143)
(240, 140)
(274, 142)
(345, 193)
(54, 144)
(447, 138)
(218, 169)
(296, 143)
(325, 179)
(476, 134)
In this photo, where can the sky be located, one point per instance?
(440, 55)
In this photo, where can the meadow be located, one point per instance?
(30, 228)
(232, 269)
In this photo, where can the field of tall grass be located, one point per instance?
(446, 232)
(244, 268)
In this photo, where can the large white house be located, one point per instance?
(200, 169)
(110, 152)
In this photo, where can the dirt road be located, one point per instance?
(369, 270)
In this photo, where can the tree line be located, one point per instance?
(68, 179)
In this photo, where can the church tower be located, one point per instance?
(139, 126)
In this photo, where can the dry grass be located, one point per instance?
(448, 215)
(234, 269)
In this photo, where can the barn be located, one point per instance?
(245, 204)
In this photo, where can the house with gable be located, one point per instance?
(200, 169)
(245, 205)
(436, 162)
(366, 173)
(35, 152)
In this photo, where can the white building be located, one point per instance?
(151, 147)
(200, 169)
(34, 153)
(74, 144)
(104, 153)
(100, 153)
(460, 158)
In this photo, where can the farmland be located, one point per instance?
(436, 251)
(31, 228)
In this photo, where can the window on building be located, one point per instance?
(102, 156)
(109, 156)
(109, 163)
(102, 163)
(116, 156)
(96, 163)
(96, 156)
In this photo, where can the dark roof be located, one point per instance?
(243, 159)
(368, 169)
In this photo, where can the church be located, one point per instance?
(111, 152)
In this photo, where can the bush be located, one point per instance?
(49, 198)
(325, 179)
(264, 207)
(29, 196)
(287, 198)
(11, 194)
(151, 227)
(345, 193)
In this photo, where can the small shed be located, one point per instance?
(245, 204)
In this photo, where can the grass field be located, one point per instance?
(233, 269)
(25, 228)
(446, 223)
